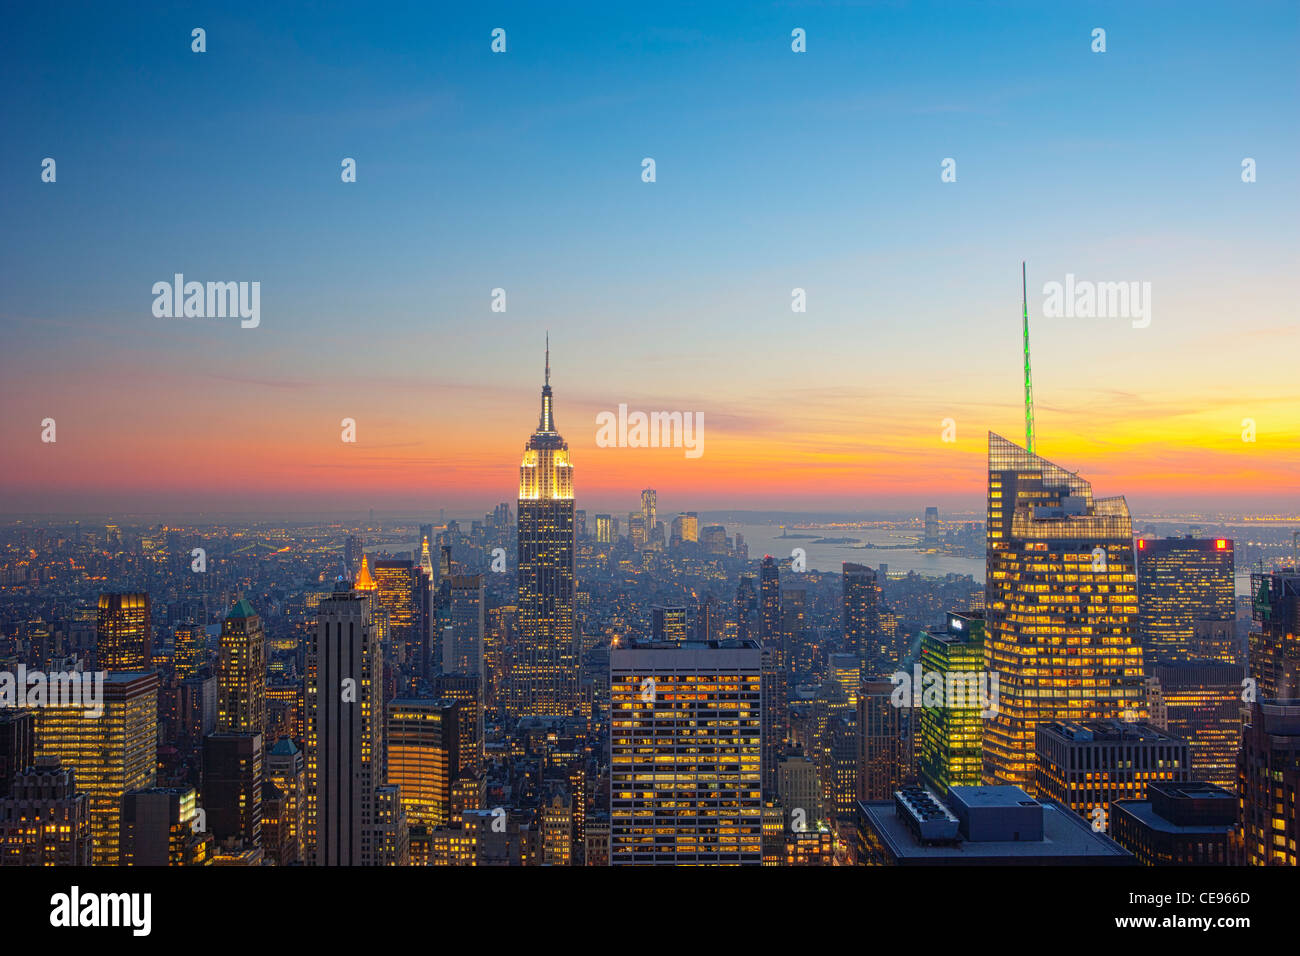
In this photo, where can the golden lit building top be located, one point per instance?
(546, 472)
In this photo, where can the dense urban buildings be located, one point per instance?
(1185, 589)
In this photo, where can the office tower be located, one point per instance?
(428, 544)
(713, 539)
(686, 528)
(776, 714)
(45, 819)
(463, 654)
(111, 753)
(861, 596)
(241, 673)
(845, 670)
(770, 601)
(159, 828)
(950, 735)
(284, 803)
(424, 741)
(1275, 634)
(604, 532)
(544, 678)
(636, 532)
(404, 592)
(1268, 784)
(1183, 581)
(747, 626)
(799, 788)
(352, 556)
(931, 527)
(392, 833)
(124, 635)
(843, 765)
(979, 826)
(17, 745)
(649, 503)
(1086, 765)
(1200, 701)
(232, 787)
(882, 743)
(344, 732)
(191, 650)
(196, 707)
(793, 617)
(1061, 615)
(556, 834)
(685, 754)
(467, 690)
(1178, 824)
(667, 624)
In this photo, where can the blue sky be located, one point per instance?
(775, 170)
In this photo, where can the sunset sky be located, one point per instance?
(522, 171)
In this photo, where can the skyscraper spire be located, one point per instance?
(546, 423)
(1029, 389)
(548, 356)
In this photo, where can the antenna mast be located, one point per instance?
(1029, 388)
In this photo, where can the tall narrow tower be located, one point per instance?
(544, 678)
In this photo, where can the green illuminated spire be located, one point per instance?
(1029, 388)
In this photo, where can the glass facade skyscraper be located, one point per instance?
(1061, 607)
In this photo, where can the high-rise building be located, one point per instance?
(392, 831)
(1182, 581)
(637, 535)
(45, 818)
(1268, 784)
(428, 545)
(1200, 701)
(1275, 634)
(17, 745)
(667, 624)
(882, 742)
(950, 750)
(861, 596)
(685, 750)
(463, 653)
(1086, 765)
(404, 592)
(466, 690)
(770, 601)
(649, 504)
(241, 673)
(424, 740)
(1178, 824)
(159, 828)
(111, 752)
(191, 650)
(232, 787)
(1061, 607)
(284, 804)
(352, 555)
(544, 677)
(931, 527)
(124, 635)
(685, 529)
(604, 530)
(344, 732)
(776, 713)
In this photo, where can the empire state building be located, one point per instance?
(544, 675)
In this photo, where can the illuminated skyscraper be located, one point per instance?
(463, 653)
(668, 624)
(882, 742)
(158, 828)
(428, 545)
(685, 754)
(1061, 607)
(861, 596)
(284, 814)
(770, 601)
(17, 745)
(1268, 784)
(241, 673)
(950, 736)
(1183, 581)
(344, 732)
(604, 529)
(191, 652)
(544, 678)
(931, 527)
(1200, 701)
(45, 820)
(124, 636)
(405, 592)
(649, 504)
(424, 740)
(232, 787)
(111, 753)
(1275, 634)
